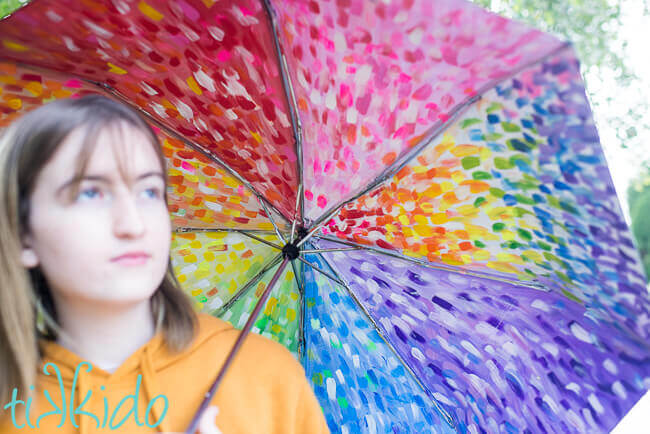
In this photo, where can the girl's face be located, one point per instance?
(80, 242)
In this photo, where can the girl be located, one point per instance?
(84, 245)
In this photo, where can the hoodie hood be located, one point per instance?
(147, 361)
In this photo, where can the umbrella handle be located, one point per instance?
(240, 340)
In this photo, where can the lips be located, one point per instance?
(132, 258)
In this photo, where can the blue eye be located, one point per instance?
(153, 193)
(89, 193)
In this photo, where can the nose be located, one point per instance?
(127, 218)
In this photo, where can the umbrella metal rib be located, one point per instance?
(295, 274)
(296, 124)
(325, 273)
(446, 268)
(293, 225)
(272, 220)
(240, 231)
(445, 414)
(310, 233)
(408, 154)
(303, 310)
(301, 301)
(240, 339)
(184, 229)
(342, 249)
(261, 240)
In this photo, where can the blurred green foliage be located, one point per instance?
(8, 6)
(591, 25)
(639, 199)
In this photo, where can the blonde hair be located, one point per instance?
(27, 310)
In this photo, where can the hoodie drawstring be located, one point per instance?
(81, 385)
(148, 381)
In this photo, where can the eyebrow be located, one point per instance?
(102, 179)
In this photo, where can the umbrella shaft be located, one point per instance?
(240, 340)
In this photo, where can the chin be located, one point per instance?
(131, 291)
(126, 300)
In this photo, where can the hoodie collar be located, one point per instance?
(67, 361)
(146, 360)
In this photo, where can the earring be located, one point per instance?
(28, 258)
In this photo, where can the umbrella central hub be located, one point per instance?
(291, 251)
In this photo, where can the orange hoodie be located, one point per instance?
(264, 391)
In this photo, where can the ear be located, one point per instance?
(28, 256)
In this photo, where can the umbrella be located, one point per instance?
(431, 171)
